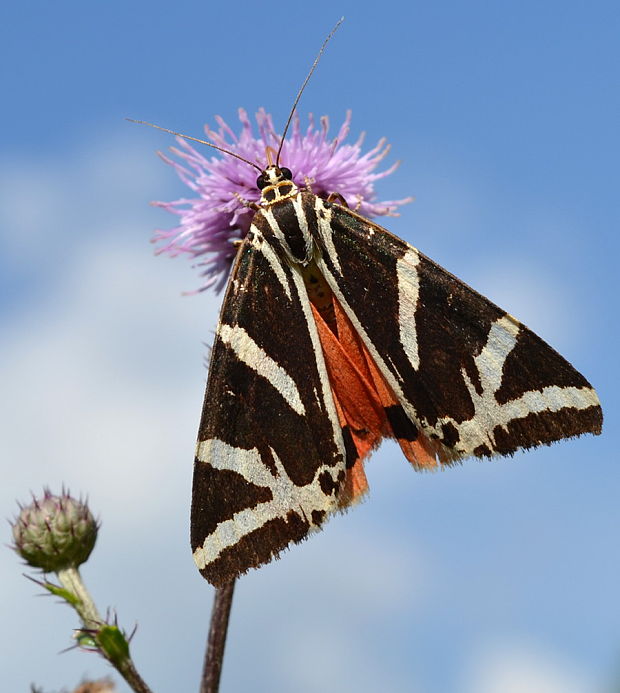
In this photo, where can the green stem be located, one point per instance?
(71, 580)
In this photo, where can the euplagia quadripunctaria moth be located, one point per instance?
(334, 334)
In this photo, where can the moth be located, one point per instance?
(333, 335)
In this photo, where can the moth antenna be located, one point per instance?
(195, 139)
(303, 86)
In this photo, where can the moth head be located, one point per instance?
(273, 175)
(276, 183)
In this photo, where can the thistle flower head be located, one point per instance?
(54, 532)
(216, 213)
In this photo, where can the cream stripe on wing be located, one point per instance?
(286, 497)
(488, 412)
(248, 351)
(275, 263)
(324, 219)
(408, 292)
(300, 213)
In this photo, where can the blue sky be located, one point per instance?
(489, 578)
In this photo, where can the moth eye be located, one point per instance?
(286, 173)
(261, 181)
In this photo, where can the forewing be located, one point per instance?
(468, 373)
(270, 456)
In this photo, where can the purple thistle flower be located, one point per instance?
(210, 221)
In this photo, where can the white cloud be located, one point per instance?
(328, 603)
(102, 373)
(520, 668)
(102, 361)
(333, 659)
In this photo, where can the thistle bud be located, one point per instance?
(55, 532)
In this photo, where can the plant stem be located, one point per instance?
(217, 638)
(71, 580)
(129, 672)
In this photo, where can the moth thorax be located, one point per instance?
(281, 190)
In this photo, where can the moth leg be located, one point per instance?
(338, 198)
(246, 203)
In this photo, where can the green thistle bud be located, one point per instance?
(54, 532)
